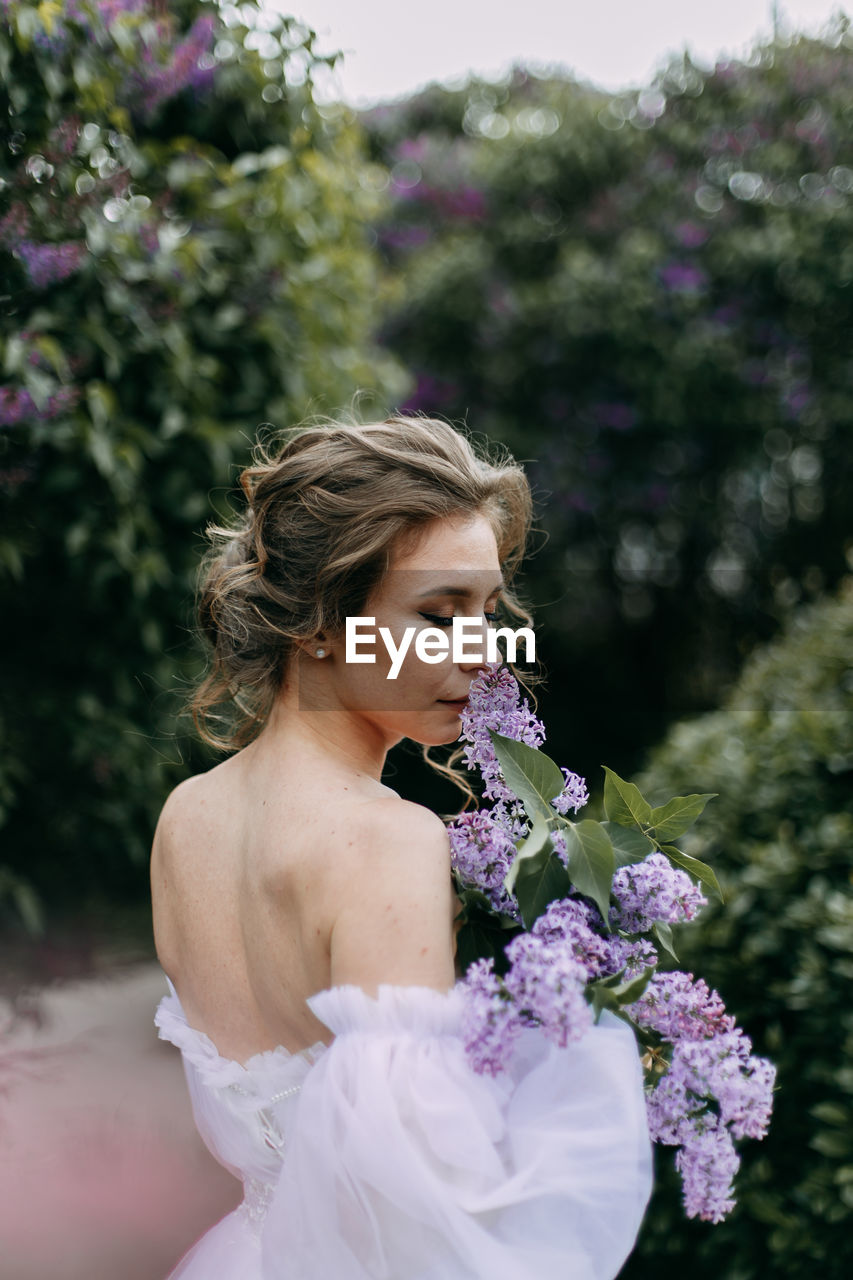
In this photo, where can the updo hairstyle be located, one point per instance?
(324, 510)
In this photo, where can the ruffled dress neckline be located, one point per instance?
(213, 1067)
(340, 1008)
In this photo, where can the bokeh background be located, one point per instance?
(647, 294)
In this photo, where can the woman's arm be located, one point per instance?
(396, 921)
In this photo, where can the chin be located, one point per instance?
(436, 737)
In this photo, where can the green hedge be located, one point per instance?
(185, 240)
(780, 951)
(647, 296)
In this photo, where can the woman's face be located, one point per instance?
(453, 570)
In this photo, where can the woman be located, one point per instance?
(304, 912)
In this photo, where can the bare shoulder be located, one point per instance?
(187, 807)
(395, 921)
(390, 830)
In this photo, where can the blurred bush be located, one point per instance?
(647, 296)
(185, 255)
(780, 950)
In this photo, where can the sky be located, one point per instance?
(393, 47)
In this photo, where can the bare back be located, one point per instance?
(249, 869)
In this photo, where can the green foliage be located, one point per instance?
(183, 233)
(780, 753)
(646, 296)
(593, 853)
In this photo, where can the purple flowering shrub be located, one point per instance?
(562, 919)
(182, 255)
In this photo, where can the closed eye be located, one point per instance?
(448, 622)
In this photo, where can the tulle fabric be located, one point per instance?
(396, 1161)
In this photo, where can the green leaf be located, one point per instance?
(631, 990)
(663, 933)
(834, 1145)
(591, 861)
(629, 844)
(611, 994)
(470, 897)
(29, 908)
(699, 870)
(531, 849)
(484, 935)
(623, 802)
(674, 818)
(477, 940)
(540, 881)
(533, 776)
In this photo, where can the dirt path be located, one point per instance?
(103, 1175)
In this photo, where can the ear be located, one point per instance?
(318, 647)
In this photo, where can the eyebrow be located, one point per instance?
(458, 591)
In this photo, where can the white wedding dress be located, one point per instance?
(384, 1156)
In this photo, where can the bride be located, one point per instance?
(304, 912)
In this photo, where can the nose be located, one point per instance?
(475, 643)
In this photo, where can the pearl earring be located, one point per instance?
(321, 653)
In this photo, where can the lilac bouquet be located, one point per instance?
(563, 918)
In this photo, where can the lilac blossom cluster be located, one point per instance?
(710, 1062)
(482, 851)
(651, 891)
(491, 1023)
(47, 264)
(167, 67)
(549, 968)
(483, 842)
(55, 38)
(710, 1088)
(186, 66)
(17, 405)
(493, 703)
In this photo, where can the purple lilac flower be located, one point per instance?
(511, 816)
(678, 1007)
(491, 1023)
(185, 68)
(706, 1057)
(723, 1067)
(17, 405)
(677, 277)
(111, 9)
(573, 796)
(708, 1163)
(711, 1059)
(654, 890)
(666, 1108)
(493, 703)
(568, 923)
(630, 957)
(547, 985)
(49, 263)
(406, 237)
(482, 851)
(462, 202)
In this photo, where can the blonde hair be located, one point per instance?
(325, 505)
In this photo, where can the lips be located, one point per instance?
(454, 702)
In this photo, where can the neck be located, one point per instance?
(330, 734)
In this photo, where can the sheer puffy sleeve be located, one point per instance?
(402, 1163)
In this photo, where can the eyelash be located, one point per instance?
(447, 622)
